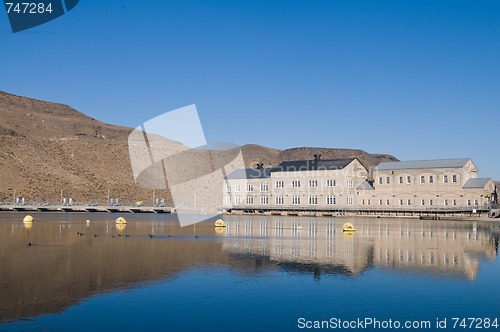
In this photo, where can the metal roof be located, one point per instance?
(477, 183)
(365, 186)
(419, 164)
(311, 165)
(250, 173)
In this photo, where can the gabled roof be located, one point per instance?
(365, 186)
(419, 164)
(250, 173)
(311, 165)
(477, 183)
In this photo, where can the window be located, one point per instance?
(313, 183)
(454, 179)
(422, 202)
(249, 200)
(388, 180)
(295, 200)
(454, 202)
(227, 200)
(350, 184)
(380, 180)
(400, 180)
(237, 187)
(330, 183)
(401, 202)
(249, 187)
(228, 188)
(280, 200)
(431, 202)
(350, 199)
(313, 199)
(445, 178)
(476, 202)
(264, 200)
(279, 184)
(468, 202)
(422, 179)
(408, 202)
(431, 179)
(369, 202)
(380, 202)
(264, 186)
(296, 184)
(237, 200)
(408, 179)
(331, 200)
(445, 201)
(388, 202)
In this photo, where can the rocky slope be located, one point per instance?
(46, 148)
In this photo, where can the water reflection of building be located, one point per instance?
(447, 247)
(299, 241)
(61, 267)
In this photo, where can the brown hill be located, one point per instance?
(254, 154)
(369, 160)
(47, 148)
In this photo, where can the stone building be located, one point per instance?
(346, 185)
(427, 185)
(297, 185)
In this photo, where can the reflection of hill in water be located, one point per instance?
(62, 268)
(450, 248)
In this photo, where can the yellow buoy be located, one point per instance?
(121, 220)
(220, 223)
(348, 227)
(28, 218)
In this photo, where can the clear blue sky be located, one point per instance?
(416, 79)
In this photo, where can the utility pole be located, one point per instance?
(61, 197)
(14, 196)
(153, 197)
(108, 197)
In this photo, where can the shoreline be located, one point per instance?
(358, 214)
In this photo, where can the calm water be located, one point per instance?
(260, 273)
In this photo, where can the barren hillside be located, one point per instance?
(46, 148)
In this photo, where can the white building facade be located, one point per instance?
(345, 184)
(448, 184)
(297, 185)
